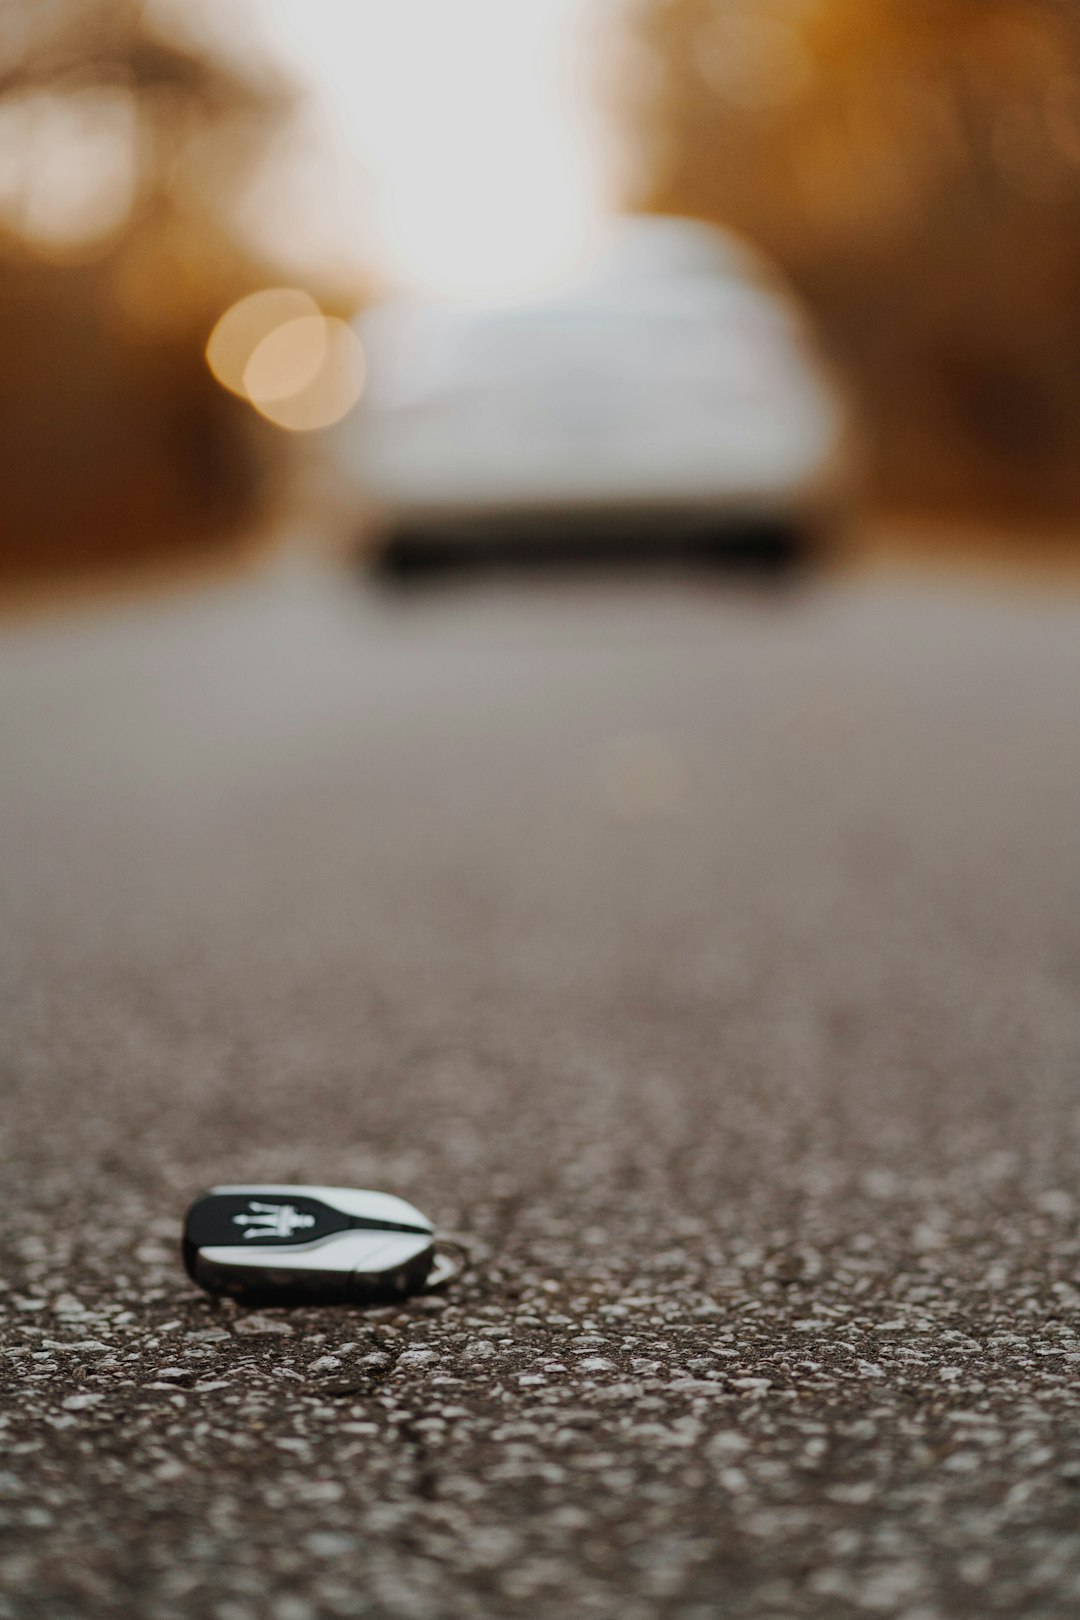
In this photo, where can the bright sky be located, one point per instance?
(469, 157)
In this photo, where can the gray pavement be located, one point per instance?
(705, 960)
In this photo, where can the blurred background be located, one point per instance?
(912, 168)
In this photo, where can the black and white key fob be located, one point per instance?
(320, 1244)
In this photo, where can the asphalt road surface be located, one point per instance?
(705, 959)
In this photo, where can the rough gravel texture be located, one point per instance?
(706, 961)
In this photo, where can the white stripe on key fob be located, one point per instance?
(320, 1244)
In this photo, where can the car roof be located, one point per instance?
(652, 266)
(646, 257)
(651, 247)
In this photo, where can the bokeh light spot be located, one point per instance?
(246, 324)
(68, 168)
(325, 361)
(643, 776)
(287, 360)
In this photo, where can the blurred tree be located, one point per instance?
(123, 153)
(915, 166)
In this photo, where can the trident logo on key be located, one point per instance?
(272, 1220)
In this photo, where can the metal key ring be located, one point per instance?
(450, 1261)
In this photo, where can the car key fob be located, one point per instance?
(287, 1245)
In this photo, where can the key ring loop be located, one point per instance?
(450, 1261)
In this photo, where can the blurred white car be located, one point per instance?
(673, 397)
